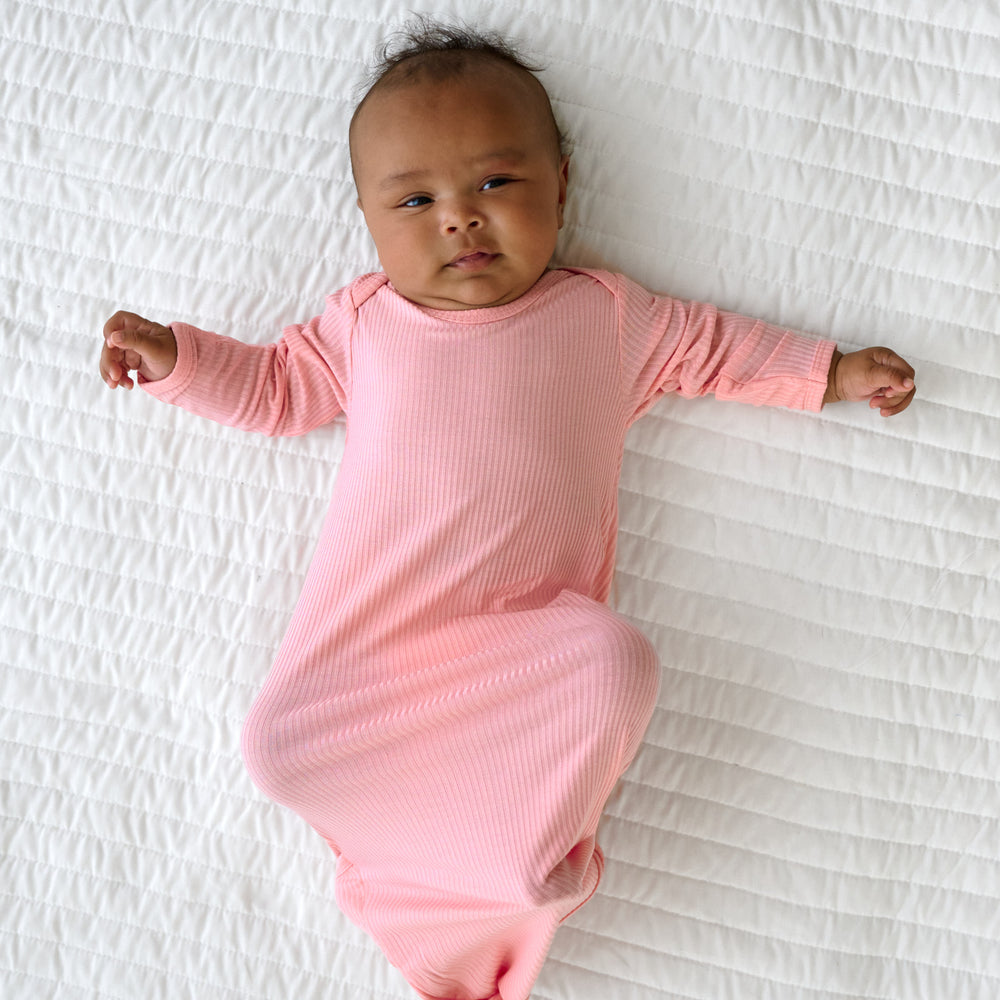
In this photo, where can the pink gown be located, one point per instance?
(453, 701)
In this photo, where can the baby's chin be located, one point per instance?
(480, 293)
(467, 302)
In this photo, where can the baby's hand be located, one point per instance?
(875, 374)
(132, 343)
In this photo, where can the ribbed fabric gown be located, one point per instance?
(453, 702)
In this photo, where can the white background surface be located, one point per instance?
(816, 811)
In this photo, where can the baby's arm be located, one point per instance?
(132, 343)
(287, 388)
(876, 374)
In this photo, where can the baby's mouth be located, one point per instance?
(473, 260)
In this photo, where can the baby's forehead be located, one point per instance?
(431, 74)
(426, 78)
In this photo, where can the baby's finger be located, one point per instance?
(115, 374)
(889, 361)
(119, 321)
(115, 368)
(132, 359)
(108, 366)
(891, 381)
(123, 320)
(126, 329)
(889, 405)
(125, 338)
(124, 379)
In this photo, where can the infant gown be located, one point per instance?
(454, 702)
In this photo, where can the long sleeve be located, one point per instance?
(286, 388)
(670, 345)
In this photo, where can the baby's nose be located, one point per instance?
(460, 217)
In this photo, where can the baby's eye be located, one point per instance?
(495, 182)
(417, 201)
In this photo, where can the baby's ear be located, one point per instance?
(563, 186)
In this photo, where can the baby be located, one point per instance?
(454, 701)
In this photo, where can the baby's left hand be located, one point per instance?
(875, 374)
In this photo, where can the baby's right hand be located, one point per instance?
(132, 343)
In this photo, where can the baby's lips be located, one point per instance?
(471, 255)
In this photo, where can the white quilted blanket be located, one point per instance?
(815, 812)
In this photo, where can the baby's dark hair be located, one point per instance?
(425, 48)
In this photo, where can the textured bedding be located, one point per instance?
(815, 810)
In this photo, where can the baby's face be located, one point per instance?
(462, 186)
